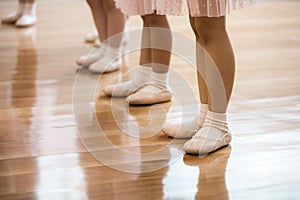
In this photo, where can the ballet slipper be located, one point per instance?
(26, 20)
(214, 135)
(188, 129)
(111, 61)
(125, 89)
(28, 17)
(201, 143)
(120, 90)
(94, 55)
(106, 65)
(148, 94)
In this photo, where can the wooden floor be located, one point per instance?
(42, 133)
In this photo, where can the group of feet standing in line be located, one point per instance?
(208, 131)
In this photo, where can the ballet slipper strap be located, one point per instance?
(216, 123)
(222, 127)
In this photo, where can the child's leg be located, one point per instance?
(161, 38)
(99, 18)
(161, 43)
(100, 21)
(145, 55)
(203, 92)
(115, 23)
(112, 59)
(187, 128)
(212, 34)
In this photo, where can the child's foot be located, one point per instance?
(212, 136)
(148, 94)
(28, 17)
(186, 129)
(92, 57)
(13, 17)
(111, 61)
(26, 20)
(152, 92)
(126, 88)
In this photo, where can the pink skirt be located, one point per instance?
(196, 8)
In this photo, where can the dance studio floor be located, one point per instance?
(61, 138)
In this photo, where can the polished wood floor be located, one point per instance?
(43, 130)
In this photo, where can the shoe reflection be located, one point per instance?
(23, 83)
(133, 136)
(212, 168)
(197, 177)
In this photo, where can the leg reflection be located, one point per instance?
(212, 168)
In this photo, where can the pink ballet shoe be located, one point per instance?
(207, 140)
(186, 128)
(176, 129)
(148, 94)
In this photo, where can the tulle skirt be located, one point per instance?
(196, 8)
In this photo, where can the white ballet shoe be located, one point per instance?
(127, 88)
(94, 55)
(106, 65)
(212, 136)
(111, 61)
(91, 37)
(185, 129)
(148, 94)
(13, 17)
(121, 89)
(28, 17)
(205, 142)
(26, 20)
